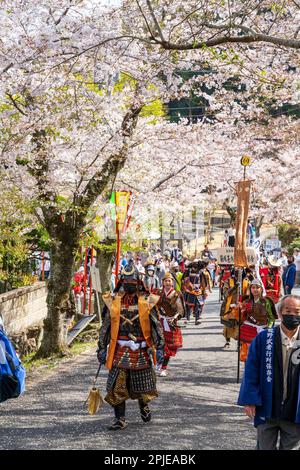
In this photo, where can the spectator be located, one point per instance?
(250, 232)
(44, 266)
(231, 235)
(225, 240)
(270, 389)
(283, 259)
(212, 271)
(289, 275)
(297, 263)
(206, 253)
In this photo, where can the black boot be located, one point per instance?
(119, 422)
(145, 411)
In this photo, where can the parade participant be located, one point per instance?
(176, 254)
(229, 314)
(182, 264)
(205, 271)
(160, 270)
(272, 280)
(171, 310)
(257, 313)
(134, 334)
(225, 273)
(177, 276)
(270, 390)
(194, 287)
(151, 281)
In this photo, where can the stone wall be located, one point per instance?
(23, 311)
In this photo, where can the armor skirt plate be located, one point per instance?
(173, 341)
(123, 384)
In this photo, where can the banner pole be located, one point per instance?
(85, 281)
(118, 253)
(91, 282)
(240, 289)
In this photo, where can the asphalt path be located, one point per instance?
(196, 408)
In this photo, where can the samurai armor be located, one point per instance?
(173, 341)
(112, 375)
(125, 358)
(142, 381)
(247, 333)
(123, 384)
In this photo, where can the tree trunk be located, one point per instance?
(258, 221)
(104, 263)
(62, 258)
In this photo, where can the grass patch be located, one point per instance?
(32, 364)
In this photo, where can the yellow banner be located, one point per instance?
(122, 202)
(243, 193)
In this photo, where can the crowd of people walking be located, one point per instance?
(154, 298)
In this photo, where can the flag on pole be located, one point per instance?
(122, 204)
(129, 212)
(243, 193)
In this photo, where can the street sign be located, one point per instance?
(272, 244)
(225, 255)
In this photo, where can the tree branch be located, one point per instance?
(158, 29)
(16, 104)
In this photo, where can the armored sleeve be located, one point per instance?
(104, 336)
(157, 332)
(179, 306)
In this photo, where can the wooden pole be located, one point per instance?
(118, 253)
(84, 280)
(91, 282)
(240, 280)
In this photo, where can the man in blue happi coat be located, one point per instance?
(270, 390)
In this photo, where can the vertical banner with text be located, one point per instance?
(243, 193)
(122, 202)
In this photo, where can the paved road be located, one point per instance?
(196, 408)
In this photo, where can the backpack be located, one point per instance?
(12, 372)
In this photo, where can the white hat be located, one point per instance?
(274, 261)
(256, 282)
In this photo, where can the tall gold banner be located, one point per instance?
(240, 253)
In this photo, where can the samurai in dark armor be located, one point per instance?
(134, 336)
(171, 310)
(195, 287)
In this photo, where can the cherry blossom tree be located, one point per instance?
(83, 94)
(194, 24)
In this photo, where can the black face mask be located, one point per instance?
(291, 322)
(129, 288)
